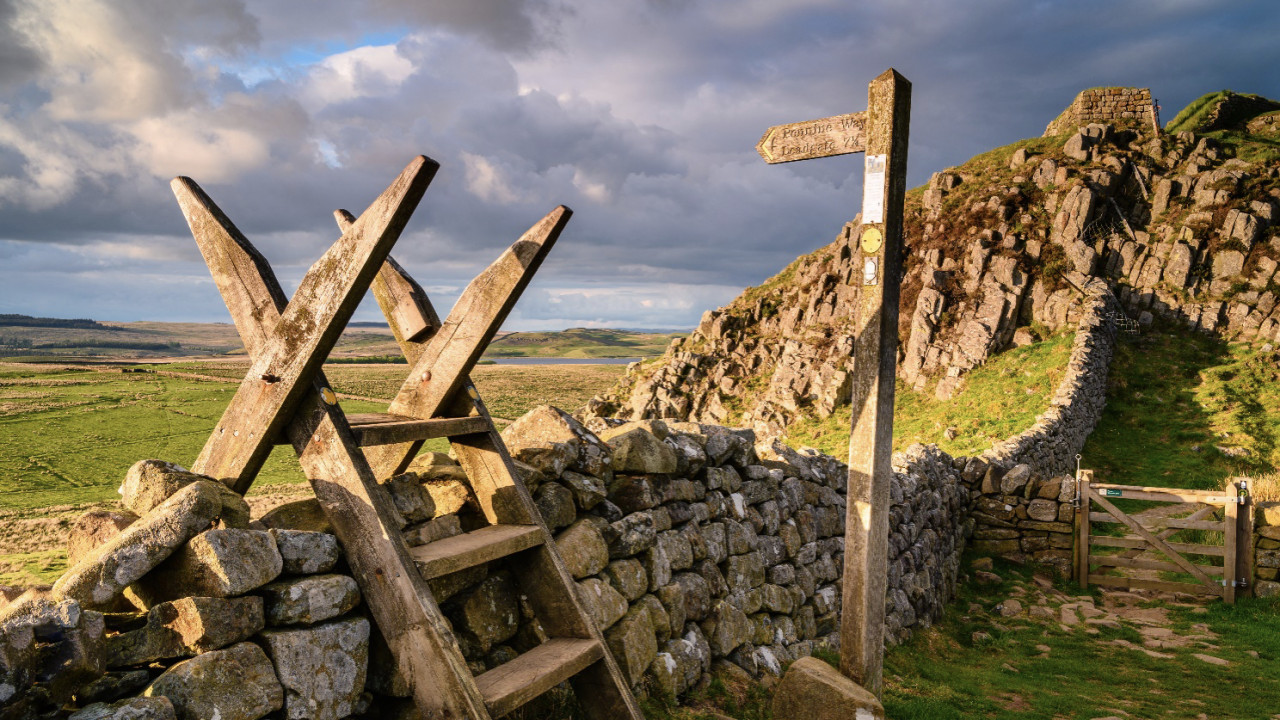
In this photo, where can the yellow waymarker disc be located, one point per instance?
(328, 396)
(871, 241)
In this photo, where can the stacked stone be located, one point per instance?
(930, 521)
(1266, 549)
(178, 606)
(1021, 516)
(1129, 106)
(691, 546)
(1051, 444)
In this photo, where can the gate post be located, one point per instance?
(1083, 478)
(1244, 541)
(1231, 538)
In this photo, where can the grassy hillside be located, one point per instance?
(1188, 410)
(998, 399)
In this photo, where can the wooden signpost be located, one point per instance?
(880, 132)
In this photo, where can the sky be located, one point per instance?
(640, 115)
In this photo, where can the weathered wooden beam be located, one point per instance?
(408, 309)
(446, 359)
(306, 331)
(874, 362)
(541, 574)
(360, 510)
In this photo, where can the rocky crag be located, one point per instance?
(1180, 227)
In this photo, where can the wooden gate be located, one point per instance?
(1155, 552)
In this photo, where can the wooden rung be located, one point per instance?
(1141, 584)
(1151, 523)
(515, 683)
(474, 548)
(1144, 564)
(386, 429)
(1140, 544)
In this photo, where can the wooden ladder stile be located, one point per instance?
(286, 399)
(579, 654)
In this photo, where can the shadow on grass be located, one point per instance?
(1171, 394)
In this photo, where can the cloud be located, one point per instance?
(642, 117)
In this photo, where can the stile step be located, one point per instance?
(515, 683)
(474, 548)
(386, 429)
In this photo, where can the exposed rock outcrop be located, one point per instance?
(1180, 228)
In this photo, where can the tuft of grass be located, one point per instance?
(1194, 115)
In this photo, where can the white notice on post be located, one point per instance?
(873, 189)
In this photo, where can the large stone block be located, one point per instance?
(94, 529)
(187, 626)
(56, 643)
(491, 613)
(813, 690)
(605, 604)
(322, 668)
(555, 503)
(305, 553)
(545, 427)
(308, 600)
(628, 577)
(411, 500)
(298, 515)
(102, 575)
(583, 549)
(150, 482)
(726, 627)
(640, 451)
(215, 563)
(237, 683)
(633, 643)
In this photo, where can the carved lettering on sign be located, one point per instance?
(838, 135)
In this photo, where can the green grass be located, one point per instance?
(999, 399)
(1196, 113)
(1173, 396)
(26, 569)
(68, 434)
(943, 674)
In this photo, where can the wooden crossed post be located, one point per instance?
(880, 132)
(285, 398)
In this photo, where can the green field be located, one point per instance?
(69, 433)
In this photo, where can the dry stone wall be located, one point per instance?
(1117, 106)
(177, 606)
(1266, 549)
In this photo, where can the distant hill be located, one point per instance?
(22, 336)
(581, 343)
(14, 320)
